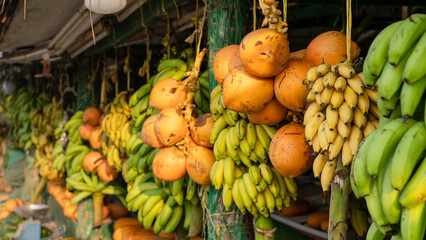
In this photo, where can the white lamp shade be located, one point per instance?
(105, 6)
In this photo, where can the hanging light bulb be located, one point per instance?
(105, 6)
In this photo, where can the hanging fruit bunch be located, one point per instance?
(43, 125)
(115, 130)
(158, 187)
(255, 160)
(17, 108)
(390, 165)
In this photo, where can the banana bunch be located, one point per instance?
(139, 161)
(116, 130)
(86, 184)
(233, 136)
(342, 112)
(258, 189)
(389, 173)
(202, 96)
(397, 56)
(44, 121)
(241, 149)
(72, 157)
(44, 162)
(170, 68)
(160, 204)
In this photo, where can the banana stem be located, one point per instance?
(264, 228)
(39, 189)
(337, 226)
(98, 199)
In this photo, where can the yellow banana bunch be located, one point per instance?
(342, 112)
(116, 129)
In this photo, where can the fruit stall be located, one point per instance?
(213, 119)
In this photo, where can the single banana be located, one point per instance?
(390, 197)
(408, 153)
(228, 171)
(327, 174)
(345, 113)
(360, 120)
(318, 86)
(248, 204)
(385, 142)
(254, 173)
(311, 111)
(237, 197)
(413, 221)
(346, 154)
(405, 36)
(356, 84)
(346, 70)
(322, 136)
(312, 74)
(415, 191)
(329, 79)
(251, 135)
(374, 233)
(355, 138)
(374, 204)
(351, 97)
(266, 173)
(326, 95)
(343, 130)
(319, 162)
(340, 84)
(363, 104)
(335, 147)
(227, 196)
(411, 96)
(411, 73)
(336, 99)
(332, 117)
(312, 126)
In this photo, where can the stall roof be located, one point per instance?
(44, 18)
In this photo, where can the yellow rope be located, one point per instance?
(348, 29)
(285, 11)
(254, 15)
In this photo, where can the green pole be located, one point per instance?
(227, 25)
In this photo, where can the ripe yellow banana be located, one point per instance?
(312, 75)
(315, 144)
(369, 127)
(355, 138)
(346, 70)
(340, 84)
(323, 68)
(329, 79)
(312, 126)
(360, 120)
(335, 147)
(343, 130)
(319, 162)
(327, 174)
(363, 103)
(372, 94)
(336, 99)
(326, 95)
(330, 134)
(311, 111)
(346, 154)
(318, 86)
(332, 117)
(345, 113)
(311, 97)
(322, 137)
(351, 98)
(356, 84)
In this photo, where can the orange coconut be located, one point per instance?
(95, 138)
(166, 93)
(92, 116)
(330, 47)
(91, 161)
(273, 113)
(169, 164)
(288, 87)
(170, 126)
(148, 132)
(200, 129)
(199, 161)
(85, 130)
(222, 62)
(246, 93)
(106, 172)
(289, 151)
(264, 52)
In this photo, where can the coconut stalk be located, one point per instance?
(98, 199)
(39, 189)
(340, 186)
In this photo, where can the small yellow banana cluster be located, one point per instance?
(258, 189)
(116, 130)
(44, 161)
(342, 112)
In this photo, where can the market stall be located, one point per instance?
(224, 119)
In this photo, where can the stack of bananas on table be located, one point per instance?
(116, 130)
(397, 57)
(390, 166)
(242, 166)
(86, 184)
(342, 112)
(160, 204)
(18, 106)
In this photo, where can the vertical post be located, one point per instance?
(226, 25)
(340, 187)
